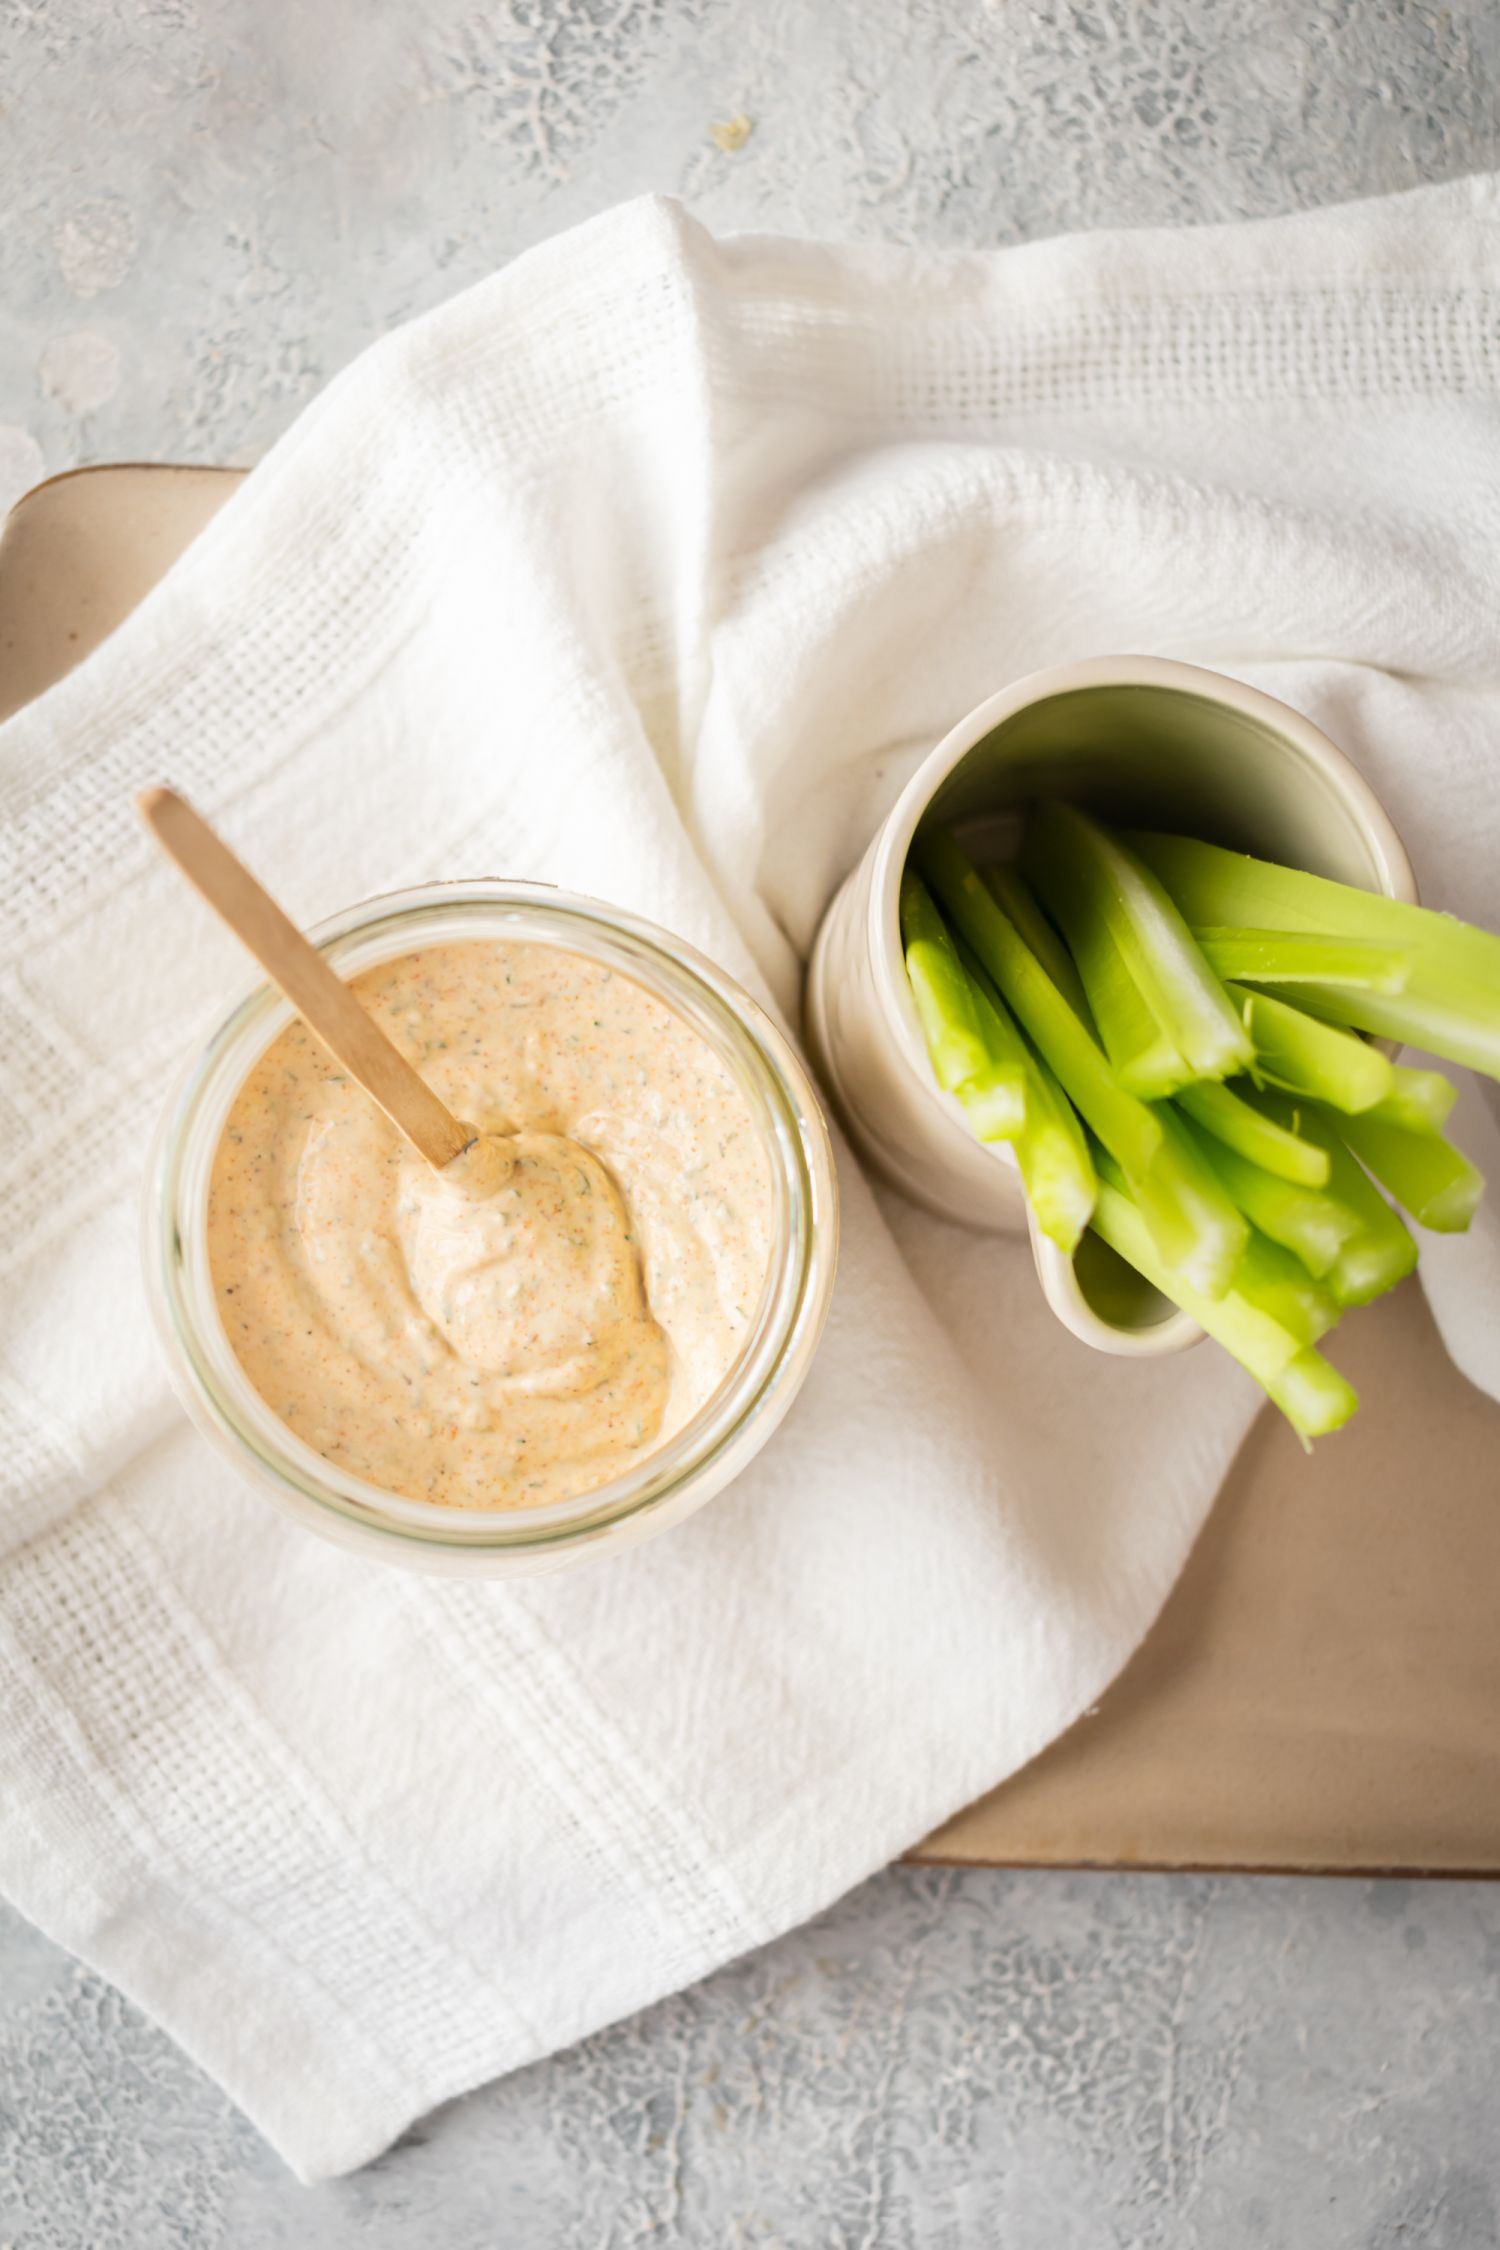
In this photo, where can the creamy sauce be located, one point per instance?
(544, 1314)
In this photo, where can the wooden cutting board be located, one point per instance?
(1322, 1690)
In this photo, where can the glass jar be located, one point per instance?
(692, 1465)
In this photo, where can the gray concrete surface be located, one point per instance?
(1012, 2062)
(205, 207)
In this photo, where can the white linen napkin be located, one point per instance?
(652, 566)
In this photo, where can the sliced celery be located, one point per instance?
(1084, 875)
(1063, 1041)
(1193, 1219)
(1145, 1060)
(1010, 890)
(1223, 1113)
(1419, 1100)
(1312, 1223)
(1315, 1398)
(1056, 1169)
(1006, 1094)
(942, 993)
(1451, 1005)
(1382, 1251)
(1311, 1394)
(1281, 1285)
(1372, 1264)
(1426, 1174)
(1288, 957)
(1312, 1058)
(1100, 989)
(995, 1102)
(1194, 1223)
(969, 1056)
(1439, 1021)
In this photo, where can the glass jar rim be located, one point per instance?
(725, 1430)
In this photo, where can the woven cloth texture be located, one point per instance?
(652, 567)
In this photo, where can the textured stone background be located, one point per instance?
(205, 207)
(209, 205)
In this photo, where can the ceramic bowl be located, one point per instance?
(1139, 740)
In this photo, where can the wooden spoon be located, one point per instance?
(321, 999)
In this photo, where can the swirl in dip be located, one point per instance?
(547, 1312)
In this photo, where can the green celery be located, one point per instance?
(1193, 1219)
(1063, 1041)
(1279, 1284)
(1086, 875)
(1145, 1061)
(1291, 957)
(940, 990)
(1311, 1222)
(1193, 1222)
(1313, 1396)
(967, 1059)
(1382, 1251)
(1057, 1171)
(1051, 1153)
(1442, 1021)
(1451, 1005)
(1426, 1174)
(1009, 889)
(995, 1102)
(1419, 1100)
(1223, 1113)
(1312, 1058)
(1144, 1058)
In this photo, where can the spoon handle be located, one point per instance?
(322, 999)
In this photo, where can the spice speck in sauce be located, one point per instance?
(543, 1315)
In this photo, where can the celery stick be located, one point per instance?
(1451, 1005)
(1290, 957)
(967, 1060)
(1381, 1252)
(1446, 1022)
(1193, 1219)
(1419, 1100)
(1083, 872)
(941, 991)
(1145, 1060)
(1311, 1222)
(1063, 1041)
(1312, 1058)
(1310, 1393)
(1426, 1174)
(1370, 1266)
(1056, 1169)
(1009, 889)
(1279, 1284)
(1223, 1113)
(995, 1102)
(1003, 1089)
